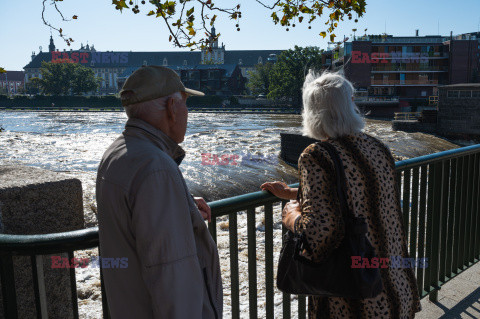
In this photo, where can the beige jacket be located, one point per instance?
(147, 215)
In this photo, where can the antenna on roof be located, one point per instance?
(438, 26)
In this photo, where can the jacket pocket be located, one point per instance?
(210, 298)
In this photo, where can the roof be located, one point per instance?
(109, 59)
(13, 75)
(229, 68)
(461, 85)
(248, 57)
(404, 40)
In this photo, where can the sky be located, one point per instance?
(22, 30)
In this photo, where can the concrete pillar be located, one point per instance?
(37, 201)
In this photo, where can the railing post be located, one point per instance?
(8, 287)
(252, 263)
(234, 281)
(39, 286)
(73, 287)
(269, 267)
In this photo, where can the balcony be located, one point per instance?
(399, 55)
(408, 68)
(404, 82)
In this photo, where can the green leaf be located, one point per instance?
(190, 11)
(323, 34)
(2, 70)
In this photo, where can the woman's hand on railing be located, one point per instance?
(280, 189)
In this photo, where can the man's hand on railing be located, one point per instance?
(203, 208)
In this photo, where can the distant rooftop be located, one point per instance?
(13, 75)
(417, 39)
(411, 39)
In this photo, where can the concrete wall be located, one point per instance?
(457, 116)
(463, 60)
(37, 201)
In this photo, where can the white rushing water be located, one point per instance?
(74, 143)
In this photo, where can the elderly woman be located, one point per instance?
(329, 114)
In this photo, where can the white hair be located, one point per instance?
(149, 107)
(328, 109)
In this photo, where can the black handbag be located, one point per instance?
(334, 276)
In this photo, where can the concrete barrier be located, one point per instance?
(37, 201)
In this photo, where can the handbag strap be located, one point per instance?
(341, 179)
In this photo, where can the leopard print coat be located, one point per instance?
(372, 194)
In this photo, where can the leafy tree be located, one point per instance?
(288, 73)
(259, 82)
(56, 77)
(189, 21)
(33, 86)
(66, 78)
(84, 80)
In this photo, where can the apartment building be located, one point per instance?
(409, 68)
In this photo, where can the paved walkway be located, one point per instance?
(458, 298)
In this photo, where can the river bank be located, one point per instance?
(191, 109)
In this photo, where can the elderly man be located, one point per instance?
(146, 213)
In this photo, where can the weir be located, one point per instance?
(440, 196)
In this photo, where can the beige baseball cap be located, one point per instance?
(152, 82)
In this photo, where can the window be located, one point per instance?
(452, 94)
(185, 62)
(239, 61)
(165, 61)
(476, 94)
(144, 62)
(260, 60)
(465, 94)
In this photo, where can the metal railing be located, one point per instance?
(440, 203)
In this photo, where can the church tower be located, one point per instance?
(51, 47)
(212, 53)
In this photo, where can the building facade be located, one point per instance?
(409, 68)
(228, 69)
(12, 82)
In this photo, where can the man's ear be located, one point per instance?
(171, 109)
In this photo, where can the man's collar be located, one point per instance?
(162, 140)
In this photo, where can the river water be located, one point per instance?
(74, 143)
